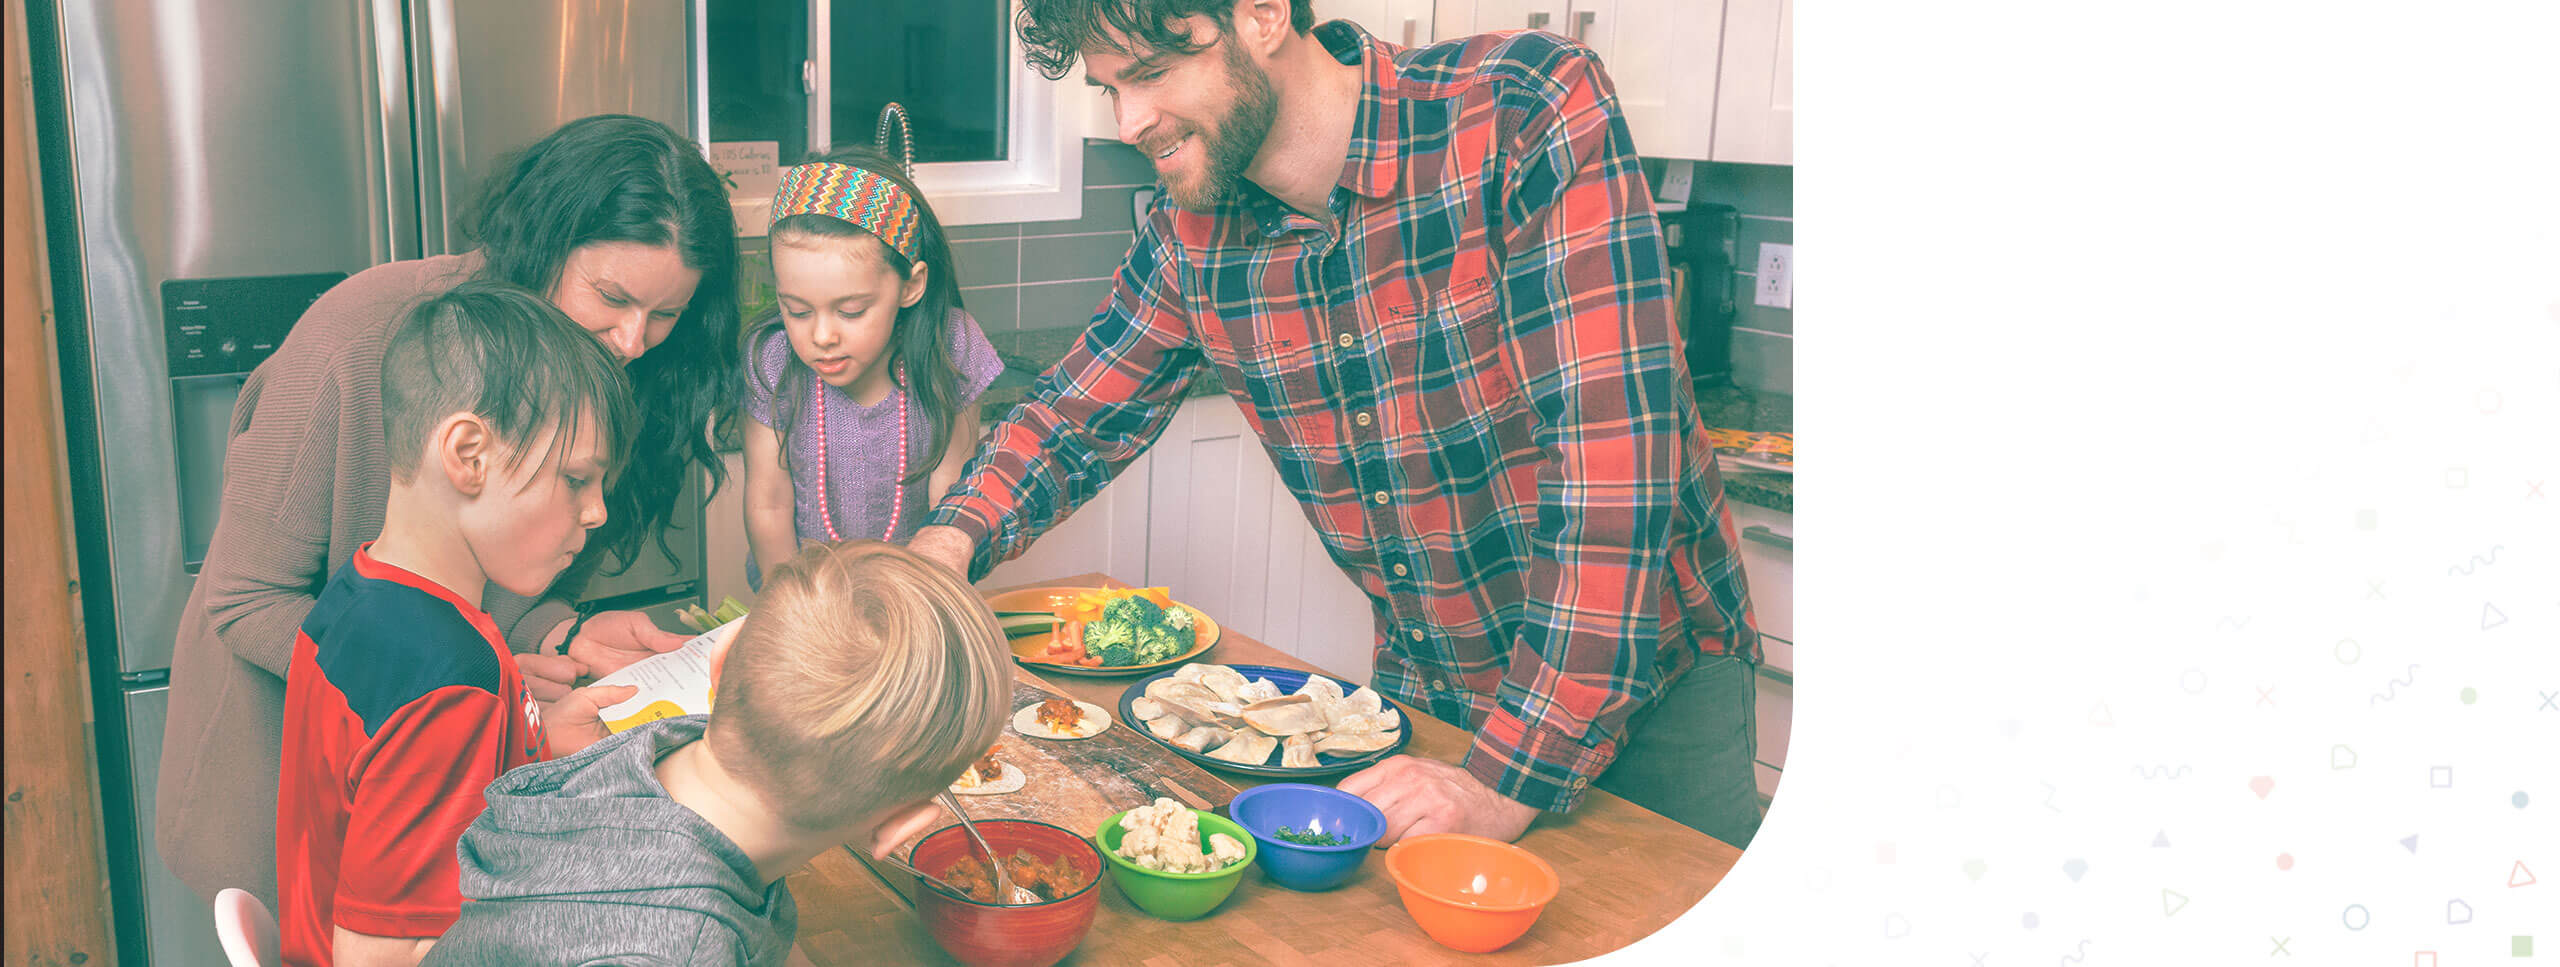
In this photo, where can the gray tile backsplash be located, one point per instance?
(1764, 195)
(1070, 257)
(1049, 275)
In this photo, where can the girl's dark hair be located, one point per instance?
(1055, 31)
(919, 353)
(618, 178)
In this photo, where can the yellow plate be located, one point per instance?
(1027, 649)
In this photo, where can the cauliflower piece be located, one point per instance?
(1165, 836)
(1224, 851)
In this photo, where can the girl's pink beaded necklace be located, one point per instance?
(818, 396)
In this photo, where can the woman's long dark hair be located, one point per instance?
(618, 178)
(919, 353)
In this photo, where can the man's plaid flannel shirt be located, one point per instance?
(1474, 387)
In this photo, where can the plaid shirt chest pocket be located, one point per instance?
(1451, 355)
(1273, 372)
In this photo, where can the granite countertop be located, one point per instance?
(1727, 405)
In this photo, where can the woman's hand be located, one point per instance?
(613, 639)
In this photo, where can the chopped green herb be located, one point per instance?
(1311, 837)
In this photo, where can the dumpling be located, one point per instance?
(1146, 708)
(1257, 690)
(1322, 689)
(1286, 715)
(1188, 700)
(1166, 727)
(1203, 738)
(1298, 752)
(1365, 701)
(1355, 743)
(1222, 680)
(1384, 720)
(1246, 747)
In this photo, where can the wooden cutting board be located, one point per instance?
(1078, 783)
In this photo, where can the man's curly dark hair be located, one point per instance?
(1053, 31)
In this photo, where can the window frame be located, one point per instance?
(1041, 178)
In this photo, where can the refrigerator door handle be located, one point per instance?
(391, 160)
(440, 138)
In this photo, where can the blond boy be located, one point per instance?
(863, 682)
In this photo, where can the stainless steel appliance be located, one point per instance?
(209, 167)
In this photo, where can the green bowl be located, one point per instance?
(1176, 896)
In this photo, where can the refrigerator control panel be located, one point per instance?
(223, 327)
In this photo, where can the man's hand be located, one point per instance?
(945, 545)
(1429, 796)
(572, 723)
(613, 639)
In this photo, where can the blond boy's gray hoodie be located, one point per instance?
(584, 860)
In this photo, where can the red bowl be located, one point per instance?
(993, 935)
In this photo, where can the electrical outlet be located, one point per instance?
(1774, 285)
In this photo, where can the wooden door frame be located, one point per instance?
(58, 907)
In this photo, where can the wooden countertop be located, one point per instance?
(1626, 872)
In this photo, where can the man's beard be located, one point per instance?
(1230, 144)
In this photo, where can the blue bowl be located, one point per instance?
(1262, 810)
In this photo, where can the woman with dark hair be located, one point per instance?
(621, 223)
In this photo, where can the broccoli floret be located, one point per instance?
(1158, 643)
(1177, 619)
(1136, 611)
(1115, 641)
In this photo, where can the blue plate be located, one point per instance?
(1289, 680)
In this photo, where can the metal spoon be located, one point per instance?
(919, 874)
(1004, 884)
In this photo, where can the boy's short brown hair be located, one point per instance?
(509, 356)
(866, 678)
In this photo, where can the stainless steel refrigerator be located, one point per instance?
(209, 167)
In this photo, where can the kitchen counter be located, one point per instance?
(1626, 873)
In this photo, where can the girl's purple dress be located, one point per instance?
(862, 465)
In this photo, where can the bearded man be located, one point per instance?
(1433, 280)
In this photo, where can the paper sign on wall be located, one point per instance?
(753, 169)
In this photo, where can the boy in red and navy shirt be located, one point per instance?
(402, 702)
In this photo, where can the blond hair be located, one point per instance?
(866, 678)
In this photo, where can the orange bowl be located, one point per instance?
(1468, 892)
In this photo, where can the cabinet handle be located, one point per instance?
(1582, 25)
(1409, 27)
(1538, 20)
(1772, 538)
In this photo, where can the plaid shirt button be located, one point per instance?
(1415, 633)
(1399, 569)
(1343, 340)
(1380, 497)
(1362, 419)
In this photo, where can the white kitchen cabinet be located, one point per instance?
(1661, 54)
(1768, 563)
(1108, 534)
(1773, 722)
(1227, 536)
(1755, 95)
(1405, 23)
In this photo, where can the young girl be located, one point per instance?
(863, 389)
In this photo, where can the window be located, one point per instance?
(994, 141)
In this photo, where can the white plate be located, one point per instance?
(1026, 722)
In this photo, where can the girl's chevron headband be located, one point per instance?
(862, 197)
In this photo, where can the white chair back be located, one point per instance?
(247, 930)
